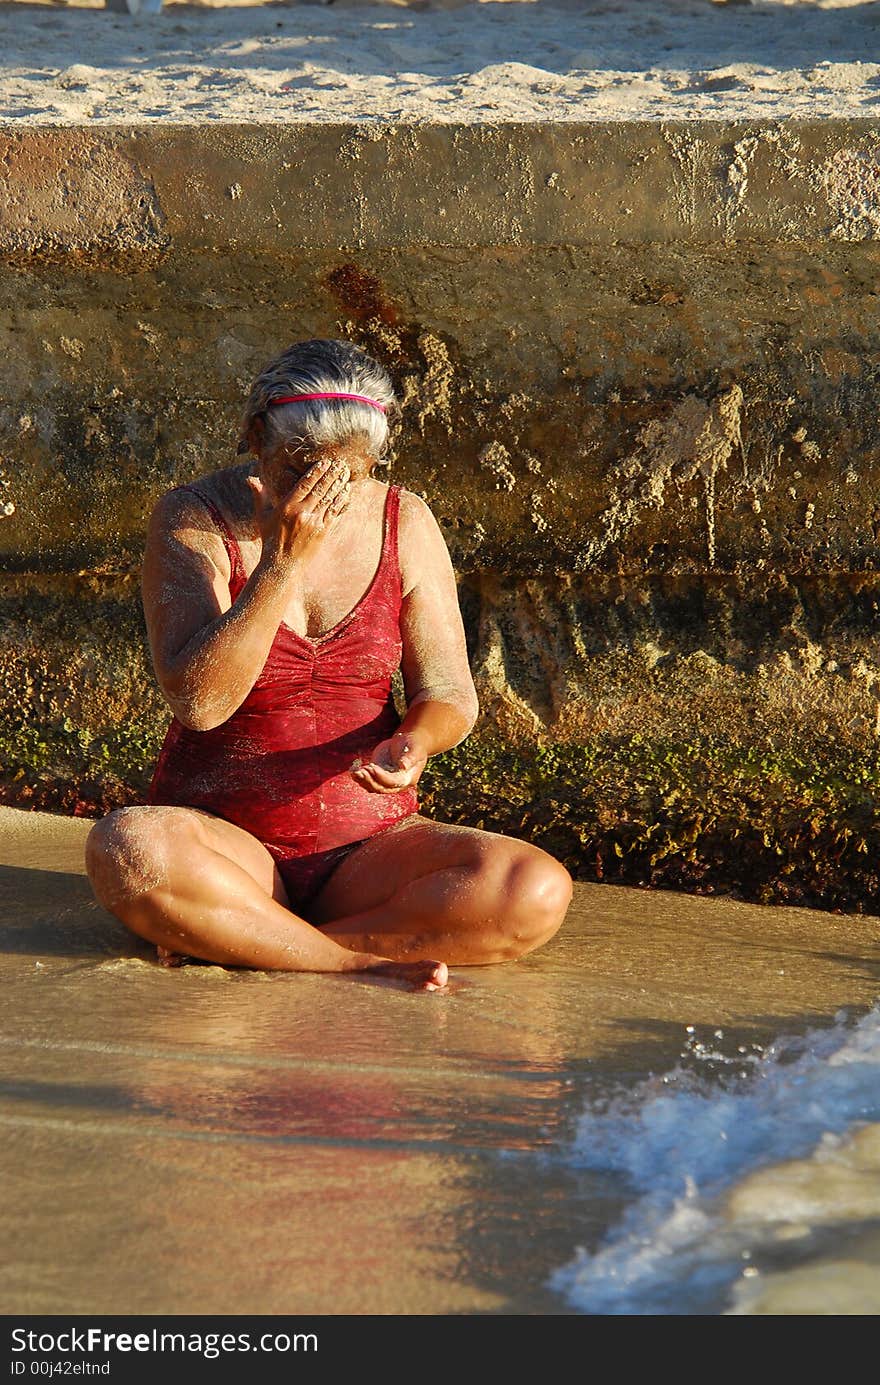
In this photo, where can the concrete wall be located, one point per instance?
(638, 365)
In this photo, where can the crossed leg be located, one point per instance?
(190, 882)
(427, 888)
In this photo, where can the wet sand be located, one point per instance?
(203, 1141)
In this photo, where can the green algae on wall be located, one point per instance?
(711, 817)
(707, 816)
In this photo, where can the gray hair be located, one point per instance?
(317, 367)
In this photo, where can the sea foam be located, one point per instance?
(687, 1144)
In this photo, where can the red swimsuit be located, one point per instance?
(279, 767)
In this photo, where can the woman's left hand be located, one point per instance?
(396, 764)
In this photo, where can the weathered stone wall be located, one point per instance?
(638, 366)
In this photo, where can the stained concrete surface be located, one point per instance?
(210, 1141)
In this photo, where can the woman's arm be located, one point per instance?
(440, 695)
(207, 651)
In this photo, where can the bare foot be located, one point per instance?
(422, 976)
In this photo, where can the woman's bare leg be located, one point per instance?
(430, 888)
(192, 883)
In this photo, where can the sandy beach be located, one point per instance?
(440, 61)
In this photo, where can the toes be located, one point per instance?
(437, 977)
(422, 976)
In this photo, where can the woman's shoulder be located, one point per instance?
(416, 515)
(224, 491)
(421, 546)
(199, 516)
(415, 512)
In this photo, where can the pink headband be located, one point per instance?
(331, 394)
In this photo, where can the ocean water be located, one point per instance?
(753, 1176)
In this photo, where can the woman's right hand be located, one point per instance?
(293, 527)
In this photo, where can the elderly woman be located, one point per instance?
(282, 827)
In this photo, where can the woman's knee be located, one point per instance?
(127, 852)
(534, 893)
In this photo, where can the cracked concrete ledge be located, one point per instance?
(274, 189)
